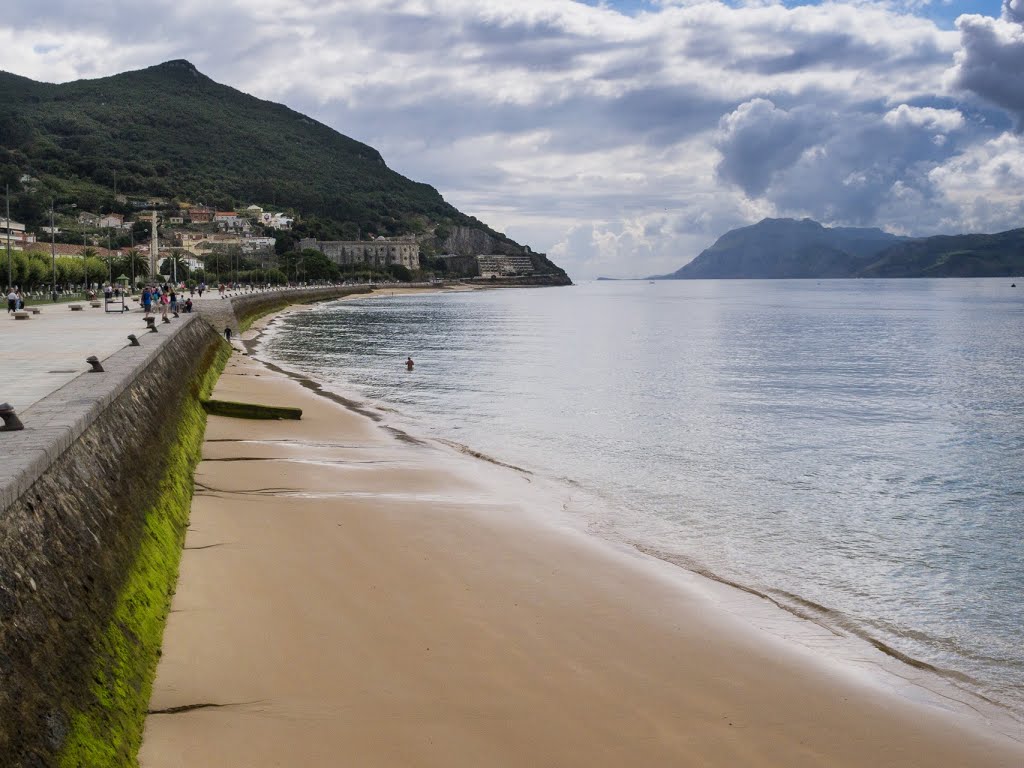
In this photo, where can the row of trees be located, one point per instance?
(38, 270)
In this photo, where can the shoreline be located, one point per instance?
(846, 641)
(586, 656)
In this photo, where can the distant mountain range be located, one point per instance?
(790, 248)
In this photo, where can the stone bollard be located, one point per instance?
(11, 421)
(133, 340)
(95, 363)
(151, 324)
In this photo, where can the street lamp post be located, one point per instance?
(53, 254)
(7, 196)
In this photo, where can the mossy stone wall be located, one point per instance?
(88, 561)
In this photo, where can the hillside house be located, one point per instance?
(88, 219)
(277, 220)
(111, 221)
(15, 231)
(258, 244)
(200, 214)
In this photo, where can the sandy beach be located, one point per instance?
(350, 595)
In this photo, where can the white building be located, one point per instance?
(258, 244)
(381, 252)
(16, 232)
(277, 220)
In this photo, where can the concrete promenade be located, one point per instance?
(40, 355)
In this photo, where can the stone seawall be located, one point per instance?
(74, 489)
(94, 499)
(238, 311)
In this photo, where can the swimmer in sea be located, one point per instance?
(408, 363)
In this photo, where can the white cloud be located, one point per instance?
(944, 120)
(622, 144)
(983, 184)
(990, 62)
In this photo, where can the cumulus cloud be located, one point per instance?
(621, 143)
(758, 139)
(990, 61)
(981, 185)
(1013, 10)
(943, 120)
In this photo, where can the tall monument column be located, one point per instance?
(154, 249)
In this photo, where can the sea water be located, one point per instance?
(852, 449)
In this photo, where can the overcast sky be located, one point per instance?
(620, 137)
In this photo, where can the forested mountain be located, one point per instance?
(998, 255)
(171, 132)
(788, 248)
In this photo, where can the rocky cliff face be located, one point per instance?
(467, 241)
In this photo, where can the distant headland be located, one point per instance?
(791, 248)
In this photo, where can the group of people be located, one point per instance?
(15, 300)
(166, 300)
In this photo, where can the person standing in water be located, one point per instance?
(408, 363)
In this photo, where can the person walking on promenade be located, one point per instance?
(12, 301)
(165, 301)
(174, 303)
(147, 300)
(202, 287)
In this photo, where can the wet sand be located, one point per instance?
(348, 597)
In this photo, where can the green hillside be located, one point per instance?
(998, 255)
(169, 131)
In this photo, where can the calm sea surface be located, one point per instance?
(852, 448)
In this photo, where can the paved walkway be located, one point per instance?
(40, 355)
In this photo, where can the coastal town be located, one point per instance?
(155, 239)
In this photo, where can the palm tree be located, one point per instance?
(135, 264)
(175, 265)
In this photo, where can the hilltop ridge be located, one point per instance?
(172, 132)
(791, 248)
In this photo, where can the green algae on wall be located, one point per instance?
(107, 731)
